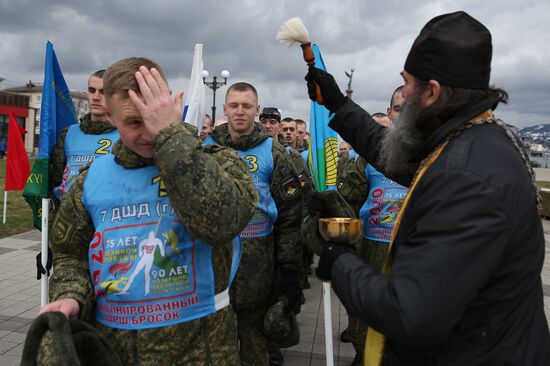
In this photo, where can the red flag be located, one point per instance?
(17, 164)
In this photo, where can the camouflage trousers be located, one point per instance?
(307, 261)
(209, 341)
(374, 254)
(253, 344)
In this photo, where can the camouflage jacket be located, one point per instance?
(303, 147)
(351, 181)
(193, 176)
(285, 239)
(303, 172)
(301, 168)
(58, 159)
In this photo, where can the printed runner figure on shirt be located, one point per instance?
(147, 253)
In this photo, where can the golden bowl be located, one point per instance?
(342, 230)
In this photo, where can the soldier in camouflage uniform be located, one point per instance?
(270, 119)
(99, 130)
(76, 145)
(272, 249)
(301, 139)
(206, 195)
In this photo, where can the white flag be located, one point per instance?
(195, 98)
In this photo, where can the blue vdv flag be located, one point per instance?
(56, 112)
(323, 148)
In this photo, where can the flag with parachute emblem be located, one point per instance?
(323, 147)
(195, 98)
(56, 112)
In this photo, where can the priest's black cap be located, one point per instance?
(454, 49)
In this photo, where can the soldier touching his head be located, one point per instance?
(162, 203)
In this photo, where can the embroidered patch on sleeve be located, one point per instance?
(62, 230)
(290, 186)
(302, 180)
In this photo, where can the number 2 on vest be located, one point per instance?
(103, 149)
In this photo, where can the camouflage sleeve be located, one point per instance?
(306, 180)
(287, 194)
(352, 183)
(58, 161)
(209, 187)
(70, 236)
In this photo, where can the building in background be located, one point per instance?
(536, 143)
(25, 101)
(19, 106)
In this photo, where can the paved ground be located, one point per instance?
(20, 298)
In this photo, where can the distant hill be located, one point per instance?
(537, 132)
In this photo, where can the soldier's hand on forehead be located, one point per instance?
(156, 105)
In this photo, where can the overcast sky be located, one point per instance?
(373, 37)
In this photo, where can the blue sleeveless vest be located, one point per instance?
(380, 210)
(80, 148)
(260, 162)
(305, 156)
(147, 270)
(352, 154)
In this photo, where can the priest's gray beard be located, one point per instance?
(406, 137)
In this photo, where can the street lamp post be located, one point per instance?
(214, 85)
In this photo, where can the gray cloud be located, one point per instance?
(372, 37)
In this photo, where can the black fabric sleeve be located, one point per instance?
(446, 249)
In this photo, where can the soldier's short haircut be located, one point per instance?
(208, 118)
(242, 87)
(98, 74)
(300, 122)
(287, 119)
(393, 94)
(120, 76)
(379, 114)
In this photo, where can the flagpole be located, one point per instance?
(5, 207)
(327, 307)
(44, 250)
(324, 180)
(56, 113)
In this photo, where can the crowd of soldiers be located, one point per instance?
(187, 248)
(266, 292)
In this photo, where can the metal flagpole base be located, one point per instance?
(5, 207)
(44, 251)
(327, 308)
